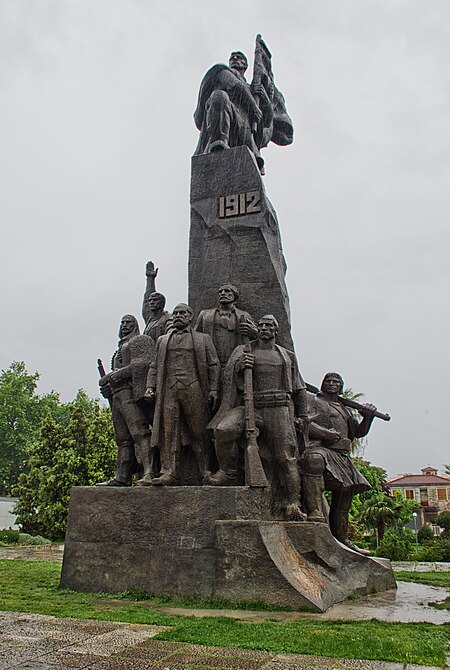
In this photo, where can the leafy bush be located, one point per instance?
(443, 520)
(439, 550)
(32, 540)
(425, 534)
(396, 544)
(9, 537)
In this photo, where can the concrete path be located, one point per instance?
(409, 604)
(414, 566)
(37, 642)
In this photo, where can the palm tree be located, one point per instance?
(378, 511)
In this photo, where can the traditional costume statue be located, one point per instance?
(125, 386)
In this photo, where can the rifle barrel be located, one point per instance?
(350, 403)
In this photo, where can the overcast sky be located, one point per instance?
(96, 135)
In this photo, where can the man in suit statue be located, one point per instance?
(183, 381)
(226, 324)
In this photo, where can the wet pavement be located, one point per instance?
(37, 642)
(409, 604)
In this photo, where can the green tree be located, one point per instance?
(379, 511)
(425, 534)
(21, 413)
(443, 520)
(79, 452)
(396, 544)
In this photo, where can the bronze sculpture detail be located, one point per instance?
(326, 462)
(183, 382)
(125, 387)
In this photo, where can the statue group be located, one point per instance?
(219, 402)
(224, 452)
(185, 391)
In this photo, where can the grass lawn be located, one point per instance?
(32, 586)
(430, 578)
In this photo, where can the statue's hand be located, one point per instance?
(150, 270)
(367, 409)
(213, 400)
(258, 89)
(103, 381)
(106, 391)
(245, 329)
(115, 376)
(333, 435)
(301, 423)
(257, 114)
(247, 360)
(150, 395)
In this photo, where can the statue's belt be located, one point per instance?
(272, 399)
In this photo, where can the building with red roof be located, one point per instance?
(430, 490)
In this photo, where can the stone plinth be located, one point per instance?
(234, 237)
(206, 541)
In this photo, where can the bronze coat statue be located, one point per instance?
(183, 381)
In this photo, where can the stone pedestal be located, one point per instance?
(207, 541)
(234, 237)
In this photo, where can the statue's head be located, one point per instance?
(156, 302)
(267, 327)
(332, 383)
(238, 61)
(182, 315)
(128, 326)
(227, 293)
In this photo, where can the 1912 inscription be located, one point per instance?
(239, 204)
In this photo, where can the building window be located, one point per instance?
(442, 495)
(424, 497)
(409, 494)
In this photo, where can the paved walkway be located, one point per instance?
(37, 642)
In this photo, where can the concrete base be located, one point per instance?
(207, 541)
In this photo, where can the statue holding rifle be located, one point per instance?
(231, 112)
(272, 403)
(124, 388)
(326, 462)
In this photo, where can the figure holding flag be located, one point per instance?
(231, 112)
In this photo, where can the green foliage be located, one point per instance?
(376, 477)
(9, 537)
(375, 510)
(431, 578)
(15, 537)
(396, 544)
(439, 550)
(425, 534)
(443, 520)
(32, 586)
(21, 413)
(79, 452)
